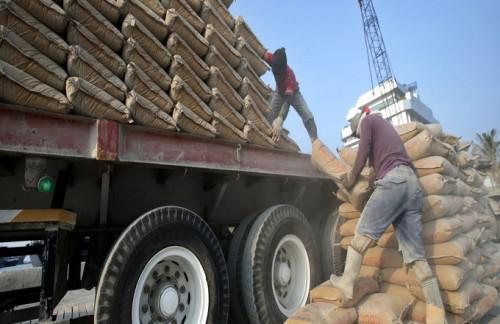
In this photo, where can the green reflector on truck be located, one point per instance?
(46, 184)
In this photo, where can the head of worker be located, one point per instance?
(357, 120)
(279, 61)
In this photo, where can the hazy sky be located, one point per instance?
(450, 47)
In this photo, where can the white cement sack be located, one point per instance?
(256, 61)
(217, 80)
(245, 70)
(19, 88)
(139, 81)
(181, 92)
(108, 8)
(177, 24)
(146, 16)
(241, 29)
(47, 12)
(183, 8)
(33, 31)
(257, 137)
(252, 113)
(191, 123)
(226, 130)
(223, 46)
(133, 52)
(146, 113)
(218, 103)
(91, 18)
(77, 34)
(222, 11)
(248, 89)
(177, 46)
(20, 54)
(184, 71)
(210, 16)
(133, 28)
(214, 58)
(89, 100)
(82, 64)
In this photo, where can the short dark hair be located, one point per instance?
(279, 61)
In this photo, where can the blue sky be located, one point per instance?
(450, 47)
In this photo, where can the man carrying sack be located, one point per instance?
(397, 200)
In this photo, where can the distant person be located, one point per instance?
(287, 93)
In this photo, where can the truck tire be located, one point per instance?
(280, 265)
(167, 265)
(338, 253)
(332, 254)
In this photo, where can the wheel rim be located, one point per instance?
(291, 274)
(172, 288)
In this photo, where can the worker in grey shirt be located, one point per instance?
(397, 200)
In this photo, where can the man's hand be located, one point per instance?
(349, 180)
(276, 129)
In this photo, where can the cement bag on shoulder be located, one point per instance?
(323, 159)
(254, 135)
(424, 145)
(245, 70)
(241, 29)
(93, 20)
(33, 31)
(436, 206)
(78, 34)
(137, 80)
(227, 50)
(133, 52)
(191, 123)
(252, 113)
(20, 54)
(133, 28)
(181, 92)
(481, 307)
(89, 100)
(226, 130)
(347, 211)
(184, 71)
(19, 88)
(383, 258)
(176, 45)
(108, 9)
(256, 62)
(220, 104)
(437, 164)
(146, 113)
(183, 8)
(214, 58)
(217, 80)
(222, 11)
(323, 313)
(248, 89)
(81, 64)
(211, 16)
(146, 16)
(384, 309)
(327, 293)
(452, 252)
(177, 24)
(47, 12)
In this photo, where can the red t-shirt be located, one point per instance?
(286, 84)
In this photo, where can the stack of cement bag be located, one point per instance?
(458, 229)
(184, 65)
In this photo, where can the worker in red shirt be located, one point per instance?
(287, 93)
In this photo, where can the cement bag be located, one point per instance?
(226, 130)
(285, 143)
(384, 309)
(452, 252)
(222, 12)
(464, 160)
(241, 29)
(146, 16)
(214, 58)
(417, 312)
(348, 155)
(245, 70)
(219, 104)
(93, 20)
(437, 164)
(327, 293)
(437, 184)
(441, 230)
(133, 28)
(256, 62)
(480, 308)
(323, 313)
(257, 137)
(183, 8)
(252, 113)
(156, 7)
(210, 16)
(473, 177)
(359, 194)
(489, 249)
(20, 54)
(184, 71)
(146, 113)
(369, 272)
(137, 80)
(194, 4)
(47, 12)
(323, 159)
(176, 45)
(227, 50)
(217, 80)
(345, 242)
(348, 228)
(489, 269)
(182, 92)
(468, 220)
(78, 34)
(34, 32)
(424, 145)
(440, 206)
(227, 3)
(89, 100)
(248, 89)
(347, 211)
(191, 123)
(82, 64)
(19, 88)
(383, 258)
(388, 240)
(108, 9)
(177, 24)
(410, 130)
(133, 52)
(395, 290)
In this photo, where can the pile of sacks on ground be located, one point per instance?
(458, 230)
(170, 64)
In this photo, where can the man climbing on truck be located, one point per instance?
(397, 200)
(287, 93)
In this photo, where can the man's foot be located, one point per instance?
(343, 285)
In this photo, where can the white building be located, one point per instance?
(398, 103)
